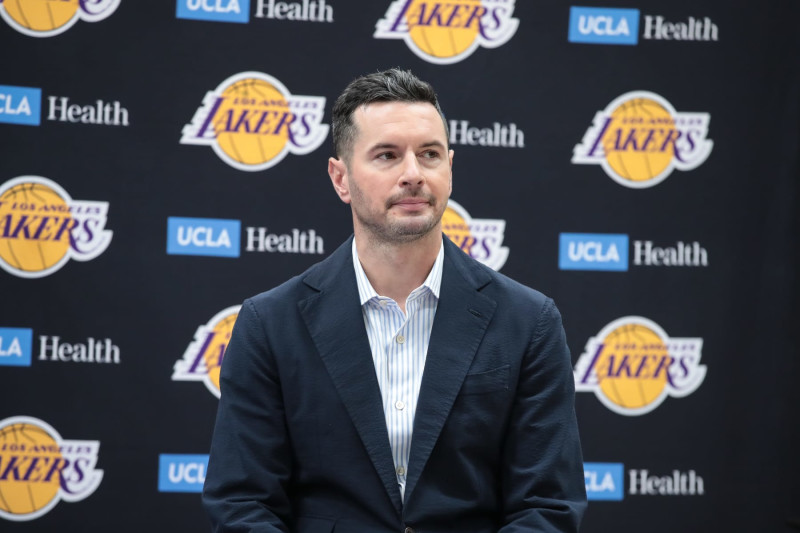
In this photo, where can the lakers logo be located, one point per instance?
(203, 358)
(480, 238)
(45, 18)
(444, 32)
(41, 227)
(252, 121)
(632, 366)
(39, 468)
(639, 139)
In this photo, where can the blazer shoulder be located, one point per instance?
(505, 291)
(514, 289)
(310, 282)
(291, 289)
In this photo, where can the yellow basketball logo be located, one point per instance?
(437, 39)
(202, 360)
(481, 239)
(41, 227)
(252, 121)
(447, 32)
(632, 366)
(40, 468)
(454, 225)
(32, 255)
(45, 18)
(640, 138)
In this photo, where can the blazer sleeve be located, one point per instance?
(542, 480)
(250, 460)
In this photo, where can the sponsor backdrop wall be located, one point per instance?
(636, 161)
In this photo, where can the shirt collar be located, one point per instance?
(366, 292)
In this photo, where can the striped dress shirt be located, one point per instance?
(399, 343)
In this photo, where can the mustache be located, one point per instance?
(431, 199)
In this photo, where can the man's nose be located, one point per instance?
(412, 173)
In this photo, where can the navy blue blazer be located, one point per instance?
(301, 444)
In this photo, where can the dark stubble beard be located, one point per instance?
(396, 231)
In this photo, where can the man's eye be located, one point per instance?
(386, 156)
(430, 154)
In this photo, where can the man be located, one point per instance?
(398, 385)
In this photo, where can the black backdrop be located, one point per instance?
(737, 430)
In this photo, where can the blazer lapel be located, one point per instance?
(462, 317)
(334, 320)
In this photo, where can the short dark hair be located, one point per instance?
(393, 85)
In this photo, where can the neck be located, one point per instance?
(396, 269)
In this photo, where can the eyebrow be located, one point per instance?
(391, 146)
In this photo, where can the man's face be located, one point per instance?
(398, 178)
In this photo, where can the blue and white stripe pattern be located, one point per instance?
(399, 343)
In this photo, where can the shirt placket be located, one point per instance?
(395, 406)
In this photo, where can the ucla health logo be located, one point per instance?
(677, 483)
(181, 472)
(16, 349)
(42, 227)
(40, 468)
(23, 105)
(608, 251)
(604, 481)
(499, 135)
(252, 121)
(603, 25)
(16, 346)
(639, 139)
(608, 25)
(214, 10)
(45, 18)
(20, 105)
(203, 358)
(448, 32)
(593, 251)
(480, 238)
(203, 236)
(632, 366)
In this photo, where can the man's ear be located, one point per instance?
(450, 155)
(337, 170)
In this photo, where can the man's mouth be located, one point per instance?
(411, 204)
